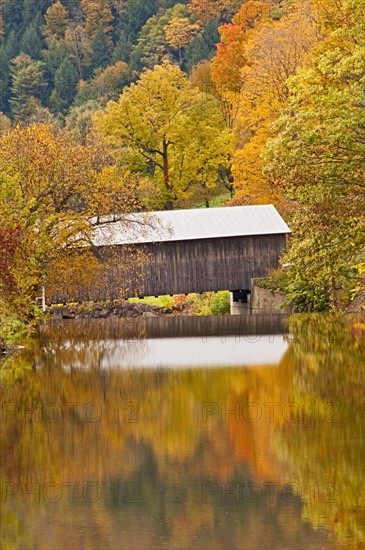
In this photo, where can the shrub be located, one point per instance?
(220, 304)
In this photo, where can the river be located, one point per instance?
(185, 433)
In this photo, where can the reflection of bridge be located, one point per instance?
(139, 328)
(190, 251)
(173, 342)
(178, 353)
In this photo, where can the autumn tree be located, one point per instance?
(53, 192)
(317, 159)
(79, 43)
(109, 83)
(274, 52)
(201, 78)
(223, 10)
(168, 131)
(5, 123)
(179, 34)
(56, 23)
(163, 38)
(98, 15)
(231, 55)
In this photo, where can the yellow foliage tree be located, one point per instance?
(53, 193)
(166, 130)
(179, 33)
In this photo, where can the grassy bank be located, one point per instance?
(207, 303)
(13, 329)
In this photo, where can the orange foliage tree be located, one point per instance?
(254, 60)
(231, 54)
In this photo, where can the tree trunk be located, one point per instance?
(165, 158)
(334, 293)
(166, 178)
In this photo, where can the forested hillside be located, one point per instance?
(167, 104)
(58, 52)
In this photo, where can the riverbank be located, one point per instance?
(209, 303)
(10, 331)
(105, 310)
(4, 349)
(192, 305)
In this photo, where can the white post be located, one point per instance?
(43, 299)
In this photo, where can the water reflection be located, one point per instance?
(161, 353)
(244, 458)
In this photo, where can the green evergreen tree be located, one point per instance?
(202, 47)
(31, 42)
(79, 120)
(11, 45)
(30, 9)
(12, 16)
(101, 50)
(53, 58)
(55, 103)
(27, 84)
(66, 79)
(123, 48)
(8, 50)
(4, 81)
(85, 93)
(135, 15)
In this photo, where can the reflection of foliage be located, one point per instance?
(170, 451)
(328, 388)
(15, 530)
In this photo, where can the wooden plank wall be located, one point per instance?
(179, 267)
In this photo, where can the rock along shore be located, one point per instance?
(106, 310)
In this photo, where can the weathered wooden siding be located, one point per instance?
(178, 267)
(209, 264)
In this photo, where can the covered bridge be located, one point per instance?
(196, 250)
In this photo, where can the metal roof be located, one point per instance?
(181, 225)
